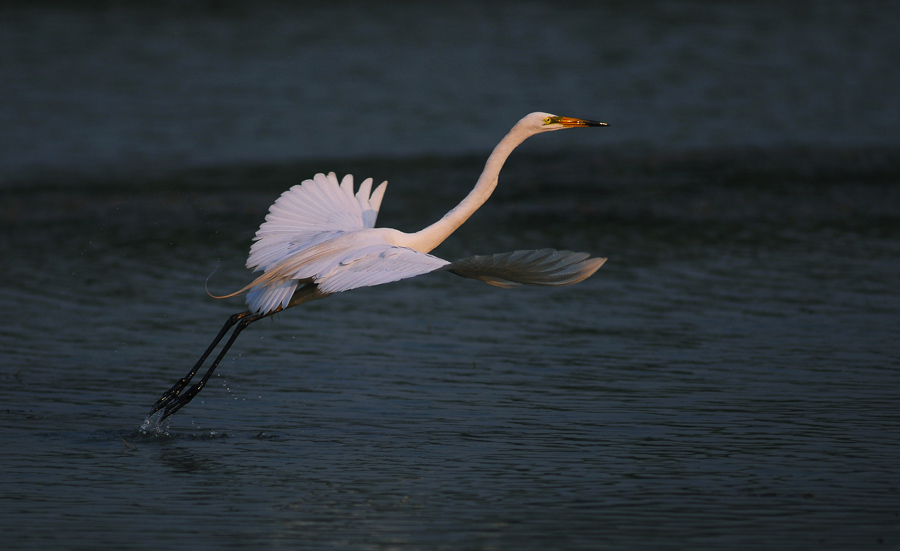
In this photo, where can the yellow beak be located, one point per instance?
(570, 122)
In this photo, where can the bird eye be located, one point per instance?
(548, 120)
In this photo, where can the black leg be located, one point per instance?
(176, 397)
(183, 382)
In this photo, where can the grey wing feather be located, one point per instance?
(534, 267)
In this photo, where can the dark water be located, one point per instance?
(729, 379)
(150, 88)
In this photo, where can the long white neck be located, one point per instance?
(435, 234)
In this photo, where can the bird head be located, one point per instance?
(545, 122)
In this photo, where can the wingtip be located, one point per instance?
(591, 265)
(377, 196)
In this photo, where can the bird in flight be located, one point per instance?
(319, 239)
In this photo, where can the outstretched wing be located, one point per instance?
(535, 267)
(374, 262)
(313, 212)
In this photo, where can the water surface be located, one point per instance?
(717, 382)
(727, 380)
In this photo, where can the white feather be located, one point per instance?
(343, 261)
(376, 265)
(321, 232)
(310, 213)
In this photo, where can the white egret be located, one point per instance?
(319, 238)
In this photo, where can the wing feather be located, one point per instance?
(376, 265)
(375, 199)
(531, 267)
(320, 205)
(342, 262)
(365, 190)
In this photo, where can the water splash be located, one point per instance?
(155, 425)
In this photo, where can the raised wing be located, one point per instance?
(313, 212)
(535, 267)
